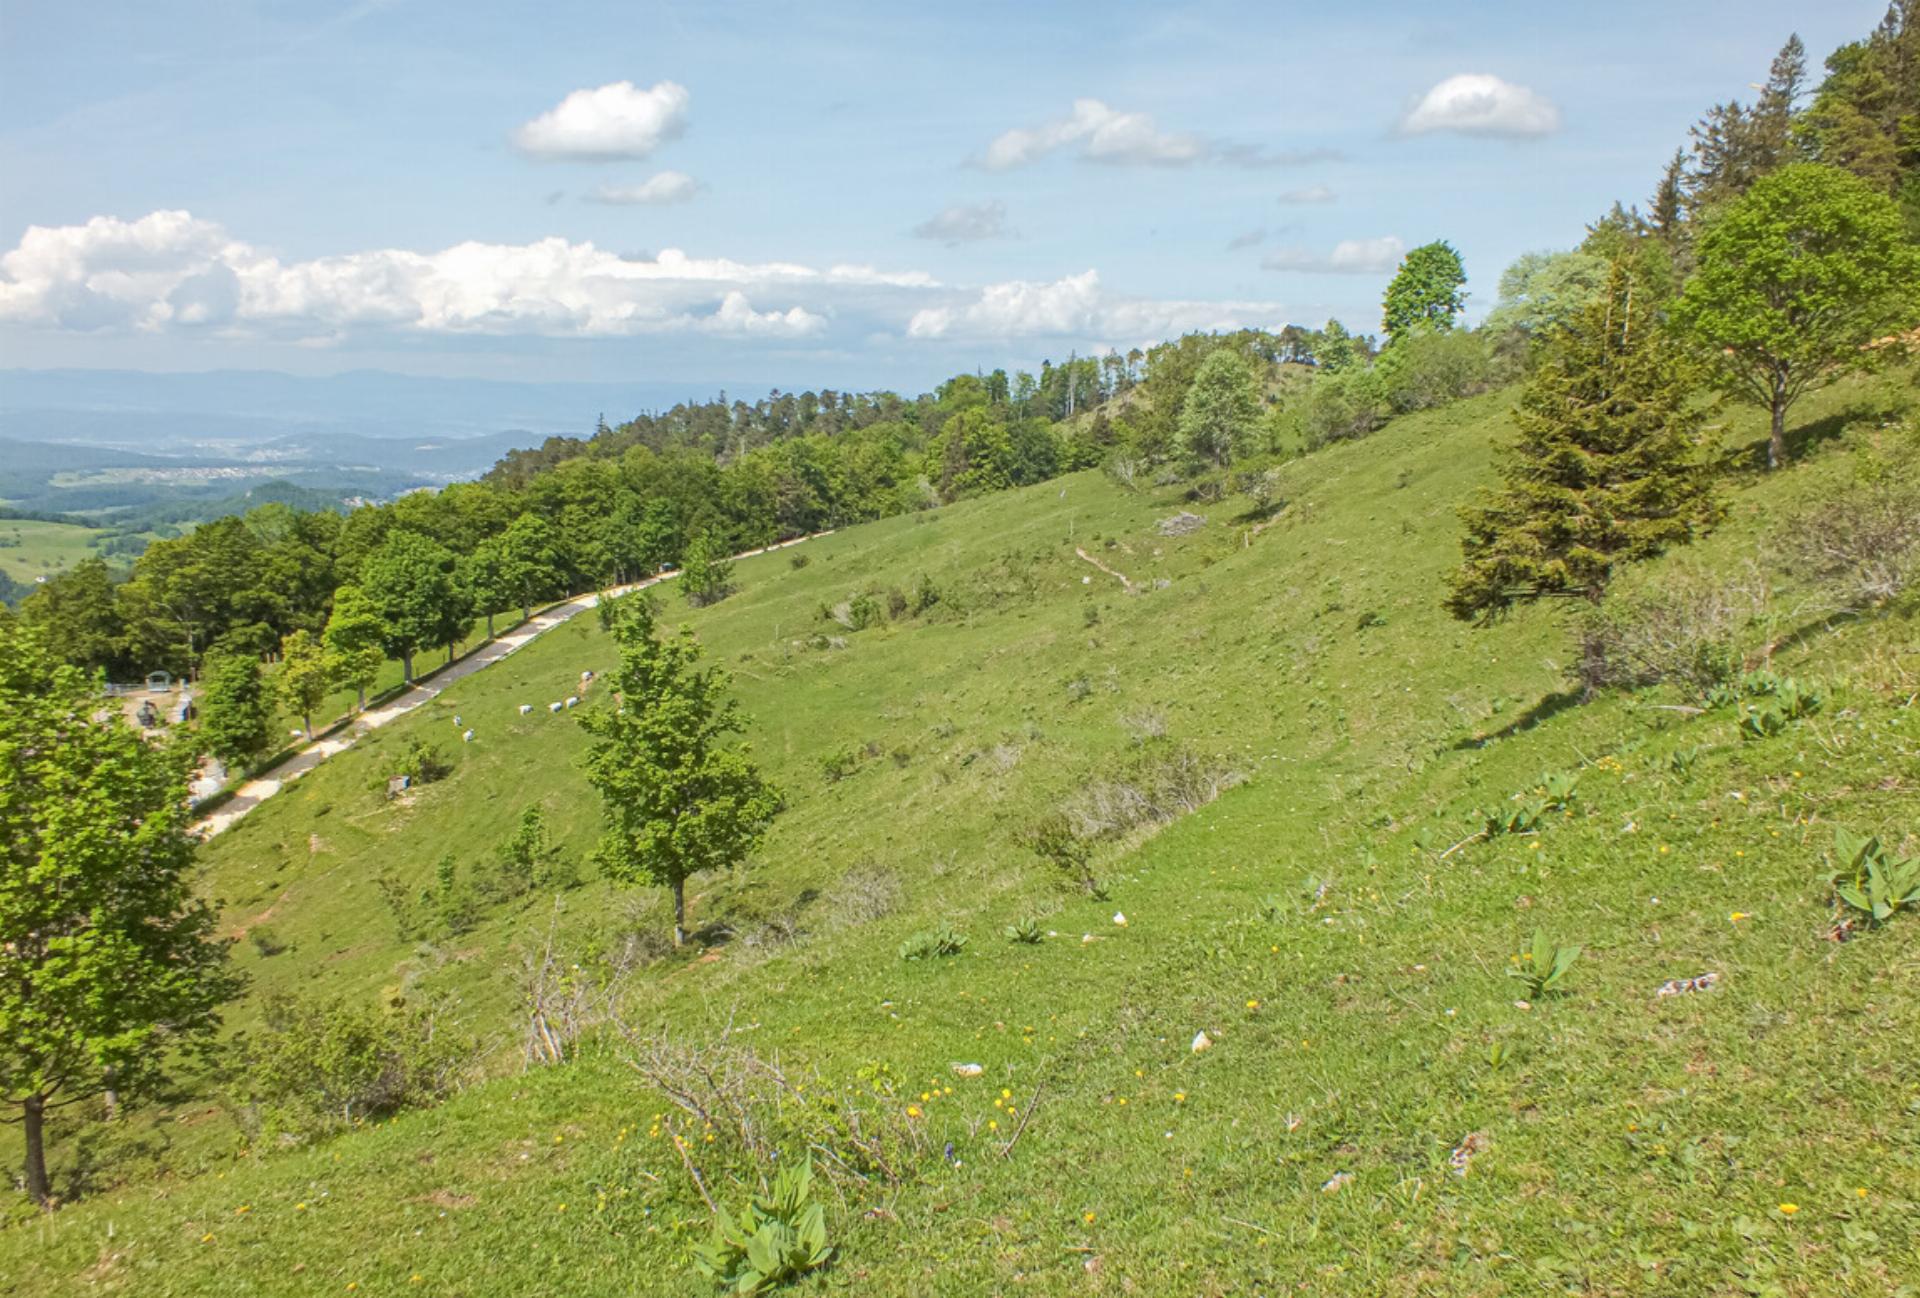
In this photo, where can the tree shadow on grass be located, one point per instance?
(1548, 705)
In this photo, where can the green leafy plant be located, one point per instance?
(839, 764)
(781, 1236)
(1026, 931)
(1871, 886)
(1560, 788)
(1681, 760)
(1544, 966)
(1518, 817)
(931, 943)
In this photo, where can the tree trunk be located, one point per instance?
(679, 912)
(1777, 441)
(110, 1096)
(406, 667)
(526, 612)
(449, 653)
(33, 1116)
(363, 698)
(489, 626)
(308, 718)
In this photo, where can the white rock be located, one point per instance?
(1119, 919)
(967, 1070)
(1086, 938)
(1334, 1182)
(1201, 1041)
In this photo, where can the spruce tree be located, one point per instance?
(1607, 469)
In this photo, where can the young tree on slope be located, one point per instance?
(678, 796)
(352, 638)
(236, 722)
(1222, 406)
(112, 962)
(304, 677)
(1427, 292)
(410, 582)
(1607, 469)
(1795, 278)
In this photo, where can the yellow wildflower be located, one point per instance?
(1788, 1209)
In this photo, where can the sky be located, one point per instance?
(826, 194)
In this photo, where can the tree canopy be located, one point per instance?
(112, 960)
(1795, 278)
(1427, 292)
(1607, 468)
(679, 795)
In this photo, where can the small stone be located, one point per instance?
(1119, 919)
(968, 1070)
(1336, 1182)
(1201, 1041)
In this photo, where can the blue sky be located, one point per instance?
(823, 194)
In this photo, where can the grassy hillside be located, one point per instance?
(30, 548)
(1321, 921)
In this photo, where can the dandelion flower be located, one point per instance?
(913, 1110)
(299, 1207)
(992, 1125)
(1087, 1217)
(1859, 1193)
(208, 1237)
(1737, 916)
(1253, 1005)
(1179, 1097)
(1788, 1209)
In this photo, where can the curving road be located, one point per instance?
(269, 782)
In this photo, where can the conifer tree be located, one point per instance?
(1607, 469)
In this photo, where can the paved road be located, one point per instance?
(264, 786)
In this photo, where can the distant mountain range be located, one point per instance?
(123, 446)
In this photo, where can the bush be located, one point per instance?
(1431, 368)
(925, 595)
(798, 561)
(423, 763)
(1159, 781)
(1689, 631)
(1861, 545)
(323, 1064)
(863, 611)
(265, 941)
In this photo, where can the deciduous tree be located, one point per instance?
(679, 794)
(352, 638)
(1795, 278)
(112, 965)
(1221, 409)
(304, 677)
(1427, 292)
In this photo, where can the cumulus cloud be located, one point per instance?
(171, 270)
(1100, 133)
(1348, 257)
(966, 223)
(1311, 194)
(610, 123)
(1476, 103)
(1079, 307)
(655, 191)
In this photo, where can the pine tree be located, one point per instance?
(1666, 210)
(678, 795)
(1607, 469)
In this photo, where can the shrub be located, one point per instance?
(781, 1236)
(1054, 841)
(798, 561)
(423, 763)
(1154, 785)
(863, 611)
(1688, 631)
(839, 764)
(865, 893)
(925, 595)
(1861, 545)
(897, 603)
(265, 941)
(1431, 368)
(320, 1064)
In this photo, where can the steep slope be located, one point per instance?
(1320, 921)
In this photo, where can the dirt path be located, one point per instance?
(267, 783)
(1118, 576)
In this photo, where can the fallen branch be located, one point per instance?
(1006, 1150)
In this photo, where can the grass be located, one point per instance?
(1759, 1137)
(30, 548)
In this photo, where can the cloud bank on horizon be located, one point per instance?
(736, 194)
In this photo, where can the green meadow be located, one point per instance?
(1383, 1109)
(30, 548)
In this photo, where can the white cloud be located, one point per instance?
(1349, 257)
(1311, 194)
(966, 223)
(1476, 103)
(174, 271)
(655, 191)
(1102, 134)
(1078, 307)
(607, 124)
